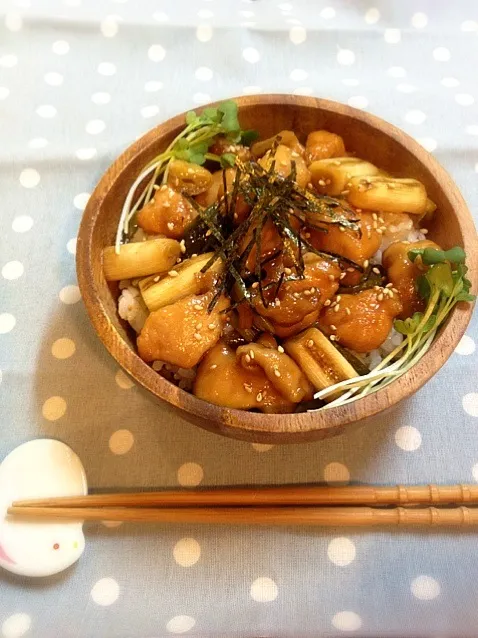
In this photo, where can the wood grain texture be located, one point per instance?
(369, 137)
(282, 495)
(270, 516)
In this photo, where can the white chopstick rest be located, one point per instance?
(38, 469)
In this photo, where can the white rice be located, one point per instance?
(132, 308)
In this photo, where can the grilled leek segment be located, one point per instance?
(388, 194)
(319, 360)
(139, 259)
(178, 283)
(332, 176)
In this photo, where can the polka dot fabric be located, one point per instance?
(79, 81)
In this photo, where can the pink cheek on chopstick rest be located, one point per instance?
(39, 469)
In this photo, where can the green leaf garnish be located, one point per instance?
(229, 122)
(249, 136)
(432, 256)
(227, 160)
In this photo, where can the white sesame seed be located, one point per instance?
(197, 336)
(338, 298)
(343, 275)
(424, 231)
(350, 269)
(380, 296)
(213, 367)
(333, 338)
(288, 271)
(321, 182)
(255, 284)
(336, 308)
(182, 246)
(374, 216)
(347, 310)
(178, 260)
(211, 326)
(194, 255)
(173, 273)
(166, 205)
(247, 358)
(342, 229)
(327, 302)
(366, 263)
(389, 286)
(379, 231)
(259, 397)
(310, 343)
(170, 226)
(190, 171)
(280, 349)
(198, 326)
(307, 293)
(394, 290)
(332, 278)
(251, 354)
(376, 271)
(277, 302)
(276, 372)
(208, 233)
(332, 327)
(156, 279)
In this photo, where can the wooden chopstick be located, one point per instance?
(274, 516)
(272, 496)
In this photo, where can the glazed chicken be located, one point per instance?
(403, 274)
(362, 321)
(323, 145)
(168, 213)
(182, 332)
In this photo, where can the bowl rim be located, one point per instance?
(273, 428)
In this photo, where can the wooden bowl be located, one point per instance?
(369, 137)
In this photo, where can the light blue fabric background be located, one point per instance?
(412, 63)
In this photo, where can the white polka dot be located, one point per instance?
(251, 55)
(105, 592)
(204, 32)
(470, 403)
(86, 153)
(372, 15)
(472, 129)
(205, 14)
(392, 36)
(7, 322)
(298, 75)
(186, 552)
(70, 295)
(419, 20)
(347, 621)
(464, 99)
(469, 26)
(152, 86)
(13, 21)
(38, 142)
(190, 474)
(204, 73)
(408, 438)
(180, 624)
(303, 90)
(8, 61)
(22, 224)
(156, 53)
(101, 98)
(336, 473)
(149, 111)
(60, 47)
(71, 246)
(201, 98)
(123, 380)
(53, 79)
(297, 35)
(251, 90)
(12, 270)
(106, 68)
(160, 16)
(109, 27)
(415, 116)
(341, 551)
(16, 626)
(396, 72)
(111, 524)
(358, 101)
(474, 471)
(450, 82)
(404, 87)
(121, 442)
(54, 408)
(350, 82)
(29, 178)
(4, 92)
(94, 127)
(264, 590)
(81, 200)
(441, 54)
(63, 348)
(46, 111)
(328, 13)
(262, 447)
(466, 346)
(425, 588)
(346, 57)
(428, 143)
